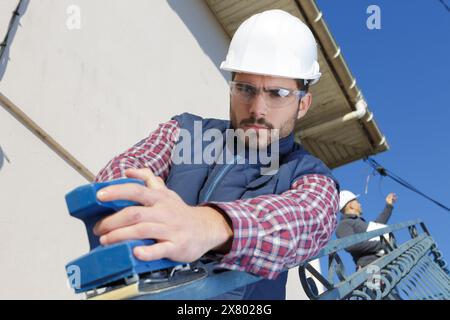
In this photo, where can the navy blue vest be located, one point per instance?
(198, 182)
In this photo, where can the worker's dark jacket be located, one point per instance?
(200, 183)
(364, 252)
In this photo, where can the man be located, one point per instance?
(251, 221)
(365, 252)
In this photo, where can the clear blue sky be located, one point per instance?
(403, 70)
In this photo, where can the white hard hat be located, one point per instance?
(345, 197)
(274, 43)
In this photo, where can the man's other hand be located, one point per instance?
(391, 198)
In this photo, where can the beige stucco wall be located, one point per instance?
(96, 90)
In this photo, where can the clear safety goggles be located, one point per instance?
(274, 97)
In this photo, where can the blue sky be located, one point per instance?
(403, 70)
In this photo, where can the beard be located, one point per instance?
(266, 135)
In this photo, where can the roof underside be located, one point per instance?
(334, 96)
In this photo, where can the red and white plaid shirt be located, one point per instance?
(271, 232)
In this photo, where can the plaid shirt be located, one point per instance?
(271, 232)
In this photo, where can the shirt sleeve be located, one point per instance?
(385, 214)
(153, 152)
(276, 232)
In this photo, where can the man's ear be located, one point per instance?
(304, 105)
(350, 206)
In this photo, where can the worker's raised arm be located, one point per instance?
(385, 214)
(153, 152)
(274, 232)
(387, 211)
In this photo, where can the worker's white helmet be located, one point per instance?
(345, 197)
(274, 43)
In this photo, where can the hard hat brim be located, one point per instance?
(311, 80)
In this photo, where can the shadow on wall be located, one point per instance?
(10, 34)
(3, 157)
(200, 28)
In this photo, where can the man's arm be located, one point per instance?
(387, 212)
(274, 232)
(268, 233)
(153, 152)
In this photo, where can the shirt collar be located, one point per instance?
(351, 216)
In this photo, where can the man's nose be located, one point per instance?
(258, 107)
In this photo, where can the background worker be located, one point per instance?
(352, 222)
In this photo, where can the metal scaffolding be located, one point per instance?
(413, 270)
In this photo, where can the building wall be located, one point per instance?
(96, 90)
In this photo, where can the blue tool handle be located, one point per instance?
(83, 204)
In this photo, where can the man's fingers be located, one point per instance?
(129, 191)
(152, 181)
(155, 251)
(146, 230)
(124, 218)
(391, 198)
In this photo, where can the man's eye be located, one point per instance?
(278, 93)
(246, 89)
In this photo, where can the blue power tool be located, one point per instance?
(113, 266)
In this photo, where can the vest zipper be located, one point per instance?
(216, 181)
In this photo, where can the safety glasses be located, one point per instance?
(274, 97)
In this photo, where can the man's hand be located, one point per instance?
(391, 198)
(182, 232)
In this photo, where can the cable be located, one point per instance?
(387, 173)
(12, 22)
(445, 5)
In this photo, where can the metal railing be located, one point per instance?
(413, 270)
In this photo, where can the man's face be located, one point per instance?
(355, 207)
(257, 115)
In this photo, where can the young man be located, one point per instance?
(351, 223)
(253, 221)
